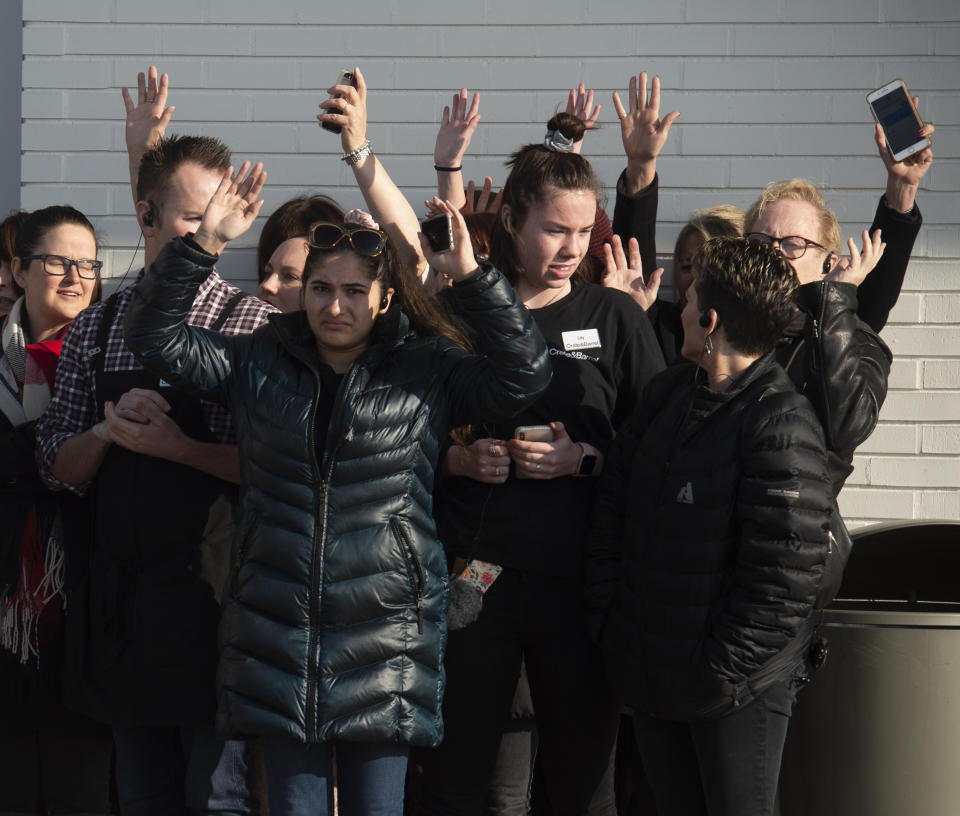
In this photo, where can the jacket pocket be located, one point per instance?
(414, 569)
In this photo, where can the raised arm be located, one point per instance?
(511, 367)
(386, 203)
(147, 120)
(456, 130)
(155, 325)
(643, 132)
(898, 218)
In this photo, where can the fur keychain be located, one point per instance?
(467, 589)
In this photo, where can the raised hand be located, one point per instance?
(347, 107)
(579, 103)
(625, 272)
(861, 262)
(903, 177)
(233, 208)
(148, 119)
(642, 130)
(456, 129)
(458, 262)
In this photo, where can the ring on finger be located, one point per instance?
(536, 467)
(496, 471)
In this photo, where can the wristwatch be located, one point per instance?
(588, 463)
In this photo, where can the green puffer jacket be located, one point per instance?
(333, 624)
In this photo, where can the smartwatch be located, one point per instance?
(588, 463)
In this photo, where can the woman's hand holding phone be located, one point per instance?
(486, 460)
(546, 460)
(459, 262)
(347, 108)
(903, 177)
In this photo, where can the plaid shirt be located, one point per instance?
(73, 408)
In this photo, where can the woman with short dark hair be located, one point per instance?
(709, 542)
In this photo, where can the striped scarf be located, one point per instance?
(27, 371)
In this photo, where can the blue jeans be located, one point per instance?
(166, 770)
(370, 777)
(724, 767)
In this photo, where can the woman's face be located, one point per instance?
(53, 301)
(7, 294)
(283, 273)
(790, 217)
(693, 333)
(342, 304)
(683, 274)
(554, 237)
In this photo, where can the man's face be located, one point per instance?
(181, 208)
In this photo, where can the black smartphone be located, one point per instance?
(343, 78)
(897, 115)
(439, 232)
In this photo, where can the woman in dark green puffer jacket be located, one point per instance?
(333, 626)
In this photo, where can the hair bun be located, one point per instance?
(573, 127)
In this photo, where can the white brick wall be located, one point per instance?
(760, 101)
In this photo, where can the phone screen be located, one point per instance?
(439, 232)
(898, 120)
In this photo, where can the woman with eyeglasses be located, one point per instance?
(835, 359)
(332, 630)
(49, 754)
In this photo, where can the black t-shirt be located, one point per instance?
(603, 351)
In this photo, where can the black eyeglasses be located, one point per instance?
(58, 265)
(363, 240)
(790, 246)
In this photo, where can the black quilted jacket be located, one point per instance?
(709, 540)
(333, 620)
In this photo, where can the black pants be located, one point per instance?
(540, 619)
(725, 767)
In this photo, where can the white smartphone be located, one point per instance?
(893, 108)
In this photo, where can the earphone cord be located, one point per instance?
(130, 266)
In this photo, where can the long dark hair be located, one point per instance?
(535, 171)
(408, 291)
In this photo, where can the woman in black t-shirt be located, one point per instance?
(523, 506)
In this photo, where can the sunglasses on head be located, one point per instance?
(363, 240)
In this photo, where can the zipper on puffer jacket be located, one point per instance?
(414, 570)
(319, 541)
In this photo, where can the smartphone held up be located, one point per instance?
(439, 232)
(893, 108)
(345, 77)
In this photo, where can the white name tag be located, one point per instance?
(582, 339)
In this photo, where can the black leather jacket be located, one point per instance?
(708, 542)
(840, 364)
(333, 623)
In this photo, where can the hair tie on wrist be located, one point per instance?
(557, 142)
(447, 169)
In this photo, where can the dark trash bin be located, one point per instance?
(877, 732)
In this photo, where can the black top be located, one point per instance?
(603, 351)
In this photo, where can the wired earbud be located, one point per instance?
(148, 216)
(384, 302)
(826, 266)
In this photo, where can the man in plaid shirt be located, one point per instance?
(158, 464)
